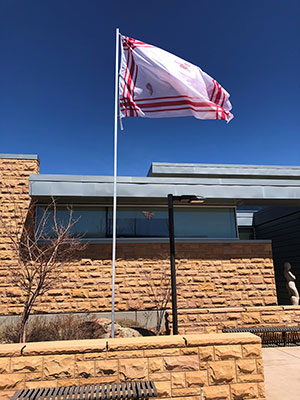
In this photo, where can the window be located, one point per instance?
(90, 222)
(146, 222)
(140, 222)
(205, 222)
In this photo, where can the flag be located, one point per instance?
(156, 84)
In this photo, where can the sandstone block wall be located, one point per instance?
(195, 367)
(14, 203)
(208, 320)
(208, 274)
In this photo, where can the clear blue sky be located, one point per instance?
(57, 82)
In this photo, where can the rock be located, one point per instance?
(120, 332)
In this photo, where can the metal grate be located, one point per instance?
(273, 335)
(112, 391)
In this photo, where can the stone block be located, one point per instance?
(13, 291)
(221, 372)
(203, 287)
(271, 318)
(189, 350)
(182, 363)
(186, 392)
(251, 351)
(251, 378)
(68, 382)
(246, 366)
(156, 365)
(85, 369)
(256, 279)
(261, 389)
(196, 378)
(104, 379)
(162, 352)
(163, 389)
(105, 368)
(206, 353)
(220, 392)
(40, 384)
(32, 376)
(260, 366)
(251, 318)
(160, 376)
(4, 365)
(228, 352)
(133, 369)
(26, 364)
(7, 395)
(58, 367)
(178, 379)
(122, 354)
(11, 381)
(244, 391)
(80, 293)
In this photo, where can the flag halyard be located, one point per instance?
(156, 84)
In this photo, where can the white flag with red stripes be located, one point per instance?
(154, 83)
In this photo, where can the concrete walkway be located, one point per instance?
(282, 372)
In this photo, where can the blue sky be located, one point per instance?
(57, 82)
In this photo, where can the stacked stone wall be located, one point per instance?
(216, 319)
(208, 275)
(14, 204)
(195, 367)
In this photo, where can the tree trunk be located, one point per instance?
(22, 331)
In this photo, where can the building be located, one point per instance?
(220, 260)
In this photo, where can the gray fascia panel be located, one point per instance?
(20, 156)
(135, 187)
(223, 170)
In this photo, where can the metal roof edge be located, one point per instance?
(162, 180)
(223, 165)
(19, 156)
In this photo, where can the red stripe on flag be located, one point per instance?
(213, 92)
(209, 110)
(170, 97)
(223, 101)
(132, 43)
(128, 96)
(176, 103)
(179, 109)
(124, 88)
(218, 94)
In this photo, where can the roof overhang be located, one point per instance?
(222, 190)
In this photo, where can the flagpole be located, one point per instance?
(115, 187)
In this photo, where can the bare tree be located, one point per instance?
(160, 292)
(40, 247)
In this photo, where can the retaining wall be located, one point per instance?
(195, 367)
(215, 319)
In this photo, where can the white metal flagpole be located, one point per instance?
(115, 186)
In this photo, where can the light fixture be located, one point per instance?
(190, 199)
